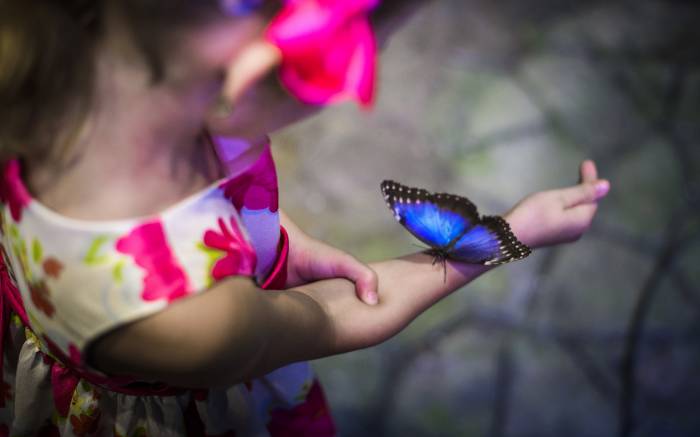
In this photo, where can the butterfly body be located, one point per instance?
(452, 226)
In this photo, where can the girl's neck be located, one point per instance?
(140, 149)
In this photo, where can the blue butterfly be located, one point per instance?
(452, 227)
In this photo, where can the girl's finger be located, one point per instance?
(363, 276)
(587, 192)
(253, 63)
(366, 286)
(588, 171)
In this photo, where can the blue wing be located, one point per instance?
(429, 223)
(489, 242)
(435, 219)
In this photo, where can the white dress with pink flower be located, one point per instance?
(65, 282)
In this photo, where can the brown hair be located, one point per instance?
(47, 50)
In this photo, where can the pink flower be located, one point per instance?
(256, 188)
(311, 418)
(328, 50)
(239, 257)
(164, 278)
(13, 191)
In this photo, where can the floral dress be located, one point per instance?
(65, 282)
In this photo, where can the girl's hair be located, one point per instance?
(47, 61)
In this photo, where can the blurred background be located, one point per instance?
(495, 100)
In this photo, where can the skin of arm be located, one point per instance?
(235, 332)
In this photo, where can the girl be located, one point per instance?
(132, 271)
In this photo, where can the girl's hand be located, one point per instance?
(559, 216)
(311, 260)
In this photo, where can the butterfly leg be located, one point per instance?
(439, 256)
(435, 253)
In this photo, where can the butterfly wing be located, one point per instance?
(435, 219)
(489, 242)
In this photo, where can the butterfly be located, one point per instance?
(452, 227)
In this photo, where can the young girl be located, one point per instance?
(132, 271)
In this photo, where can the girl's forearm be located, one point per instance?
(407, 287)
(325, 318)
(227, 335)
(235, 331)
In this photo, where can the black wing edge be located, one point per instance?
(512, 249)
(392, 190)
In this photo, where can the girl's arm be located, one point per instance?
(235, 332)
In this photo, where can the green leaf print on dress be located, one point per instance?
(37, 251)
(213, 256)
(93, 257)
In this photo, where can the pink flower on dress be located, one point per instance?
(238, 259)
(13, 191)
(164, 278)
(328, 50)
(256, 188)
(311, 418)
